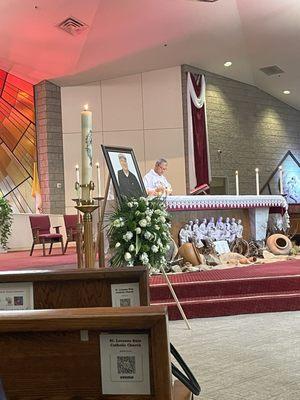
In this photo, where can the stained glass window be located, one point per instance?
(17, 141)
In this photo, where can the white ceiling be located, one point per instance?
(128, 36)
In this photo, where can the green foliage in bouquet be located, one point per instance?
(5, 222)
(139, 233)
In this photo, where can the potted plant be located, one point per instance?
(5, 223)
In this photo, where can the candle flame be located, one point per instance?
(76, 166)
(97, 165)
(236, 172)
(86, 107)
(280, 167)
(256, 169)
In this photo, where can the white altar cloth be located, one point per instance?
(259, 208)
(185, 203)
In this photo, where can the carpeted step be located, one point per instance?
(243, 286)
(234, 304)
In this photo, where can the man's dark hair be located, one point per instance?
(121, 156)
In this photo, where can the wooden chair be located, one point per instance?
(40, 227)
(71, 222)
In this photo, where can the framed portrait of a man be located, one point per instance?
(124, 172)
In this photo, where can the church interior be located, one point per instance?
(149, 200)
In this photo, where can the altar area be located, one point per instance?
(254, 211)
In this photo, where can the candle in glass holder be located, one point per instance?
(280, 179)
(77, 181)
(257, 180)
(237, 183)
(98, 179)
(86, 152)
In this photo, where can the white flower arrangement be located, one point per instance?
(139, 233)
(128, 236)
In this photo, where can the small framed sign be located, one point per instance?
(221, 246)
(125, 363)
(125, 294)
(16, 296)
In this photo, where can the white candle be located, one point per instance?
(98, 179)
(280, 179)
(257, 181)
(237, 183)
(86, 151)
(77, 181)
(77, 173)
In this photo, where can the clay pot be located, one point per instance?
(279, 244)
(189, 252)
(244, 260)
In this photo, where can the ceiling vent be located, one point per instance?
(73, 26)
(271, 70)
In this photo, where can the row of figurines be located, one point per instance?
(194, 231)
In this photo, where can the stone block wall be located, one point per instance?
(50, 147)
(250, 128)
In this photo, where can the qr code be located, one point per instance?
(126, 365)
(125, 303)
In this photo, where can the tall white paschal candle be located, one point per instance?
(86, 152)
(237, 189)
(280, 179)
(257, 181)
(98, 179)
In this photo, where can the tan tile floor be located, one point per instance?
(245, 357)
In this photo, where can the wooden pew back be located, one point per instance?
(76, 288)
(55, 354)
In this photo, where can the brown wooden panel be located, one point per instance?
(71, 274)
(79, 288)
(53, 320)
(42, 356)
(72, 294)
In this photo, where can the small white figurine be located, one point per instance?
(239, 229)
(191, 223)
(185, 234)
(227, 235)
(211, 228)
(202, 231)
(233, 230)
(220, 229)
(196, 225)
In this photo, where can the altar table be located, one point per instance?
(183, 208)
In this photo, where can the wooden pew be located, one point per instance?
(55, 354)
(75, 288)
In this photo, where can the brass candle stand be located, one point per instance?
(86, 207)
(100, 234)
(79, 237)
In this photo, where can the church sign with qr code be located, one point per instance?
(125, 294)
(125, 363)
(16, 296)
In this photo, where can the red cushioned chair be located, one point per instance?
(71, 222)
(40, 227)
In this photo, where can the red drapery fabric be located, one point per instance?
(199, 136)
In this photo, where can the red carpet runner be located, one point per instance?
(22, 260)
(260, 288)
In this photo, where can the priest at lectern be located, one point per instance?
(155, 182)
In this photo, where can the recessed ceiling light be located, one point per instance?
(228, 64)
(286, 92)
